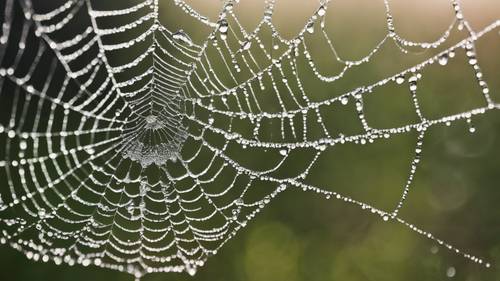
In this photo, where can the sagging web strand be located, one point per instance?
(102, 167)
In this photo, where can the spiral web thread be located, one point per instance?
(120, 141)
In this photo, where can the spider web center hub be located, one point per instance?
(154, 139)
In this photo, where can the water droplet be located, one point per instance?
(23, 145)
(451, 271)
(239, 202)
(223, 28)
(443, 59)
(11, 134)
(310, 27)
(400, 79)
(434, 249)
(413, 86)
(247, 45)
(42, 213)
(321, 11)
(191, 270)
(182, 37)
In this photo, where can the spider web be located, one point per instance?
(123, 139)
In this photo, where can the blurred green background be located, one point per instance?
(456, 194)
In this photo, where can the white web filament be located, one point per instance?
(122, 142)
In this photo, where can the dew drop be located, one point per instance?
(310, 27)
(321, 11)
(223, 26)
(413, 86)
(344, 100)
(451, 271)
(182, 37)
(247, 45)
(400, 80)
(443, 59)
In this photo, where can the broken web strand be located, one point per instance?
(284, 148)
